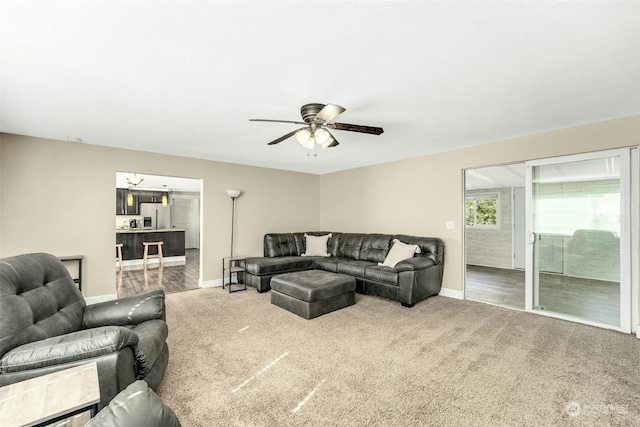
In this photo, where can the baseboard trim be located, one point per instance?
(450, 293)
(101, 298)
(217, 283)
(175, 260)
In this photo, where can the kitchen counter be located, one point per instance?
(132, 248)
(150, 230)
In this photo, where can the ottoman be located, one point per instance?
(312, 293)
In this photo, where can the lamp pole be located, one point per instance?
(233, 212)
(234, 195)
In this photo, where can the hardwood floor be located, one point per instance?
(169, 278)
(588, 299)
(496, 286)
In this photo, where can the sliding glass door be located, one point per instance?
(578, 252)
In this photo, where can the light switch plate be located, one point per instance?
(450, 225)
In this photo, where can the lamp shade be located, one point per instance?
(233, 193)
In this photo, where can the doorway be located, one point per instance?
(179, 199)
(494, 235)
(570, 224)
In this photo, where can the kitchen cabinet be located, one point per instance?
(122, 208)
(150, 196)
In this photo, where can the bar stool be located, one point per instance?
(119, 259)
(146, 252)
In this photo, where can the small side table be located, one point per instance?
(231, 265)
(78, 259)
(50, 398)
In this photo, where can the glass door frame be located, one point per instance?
(628, 236)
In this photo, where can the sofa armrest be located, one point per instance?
(415, 263)
(72, 347)
(135, 406)
(125, 311)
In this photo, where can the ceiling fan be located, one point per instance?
(317, 120)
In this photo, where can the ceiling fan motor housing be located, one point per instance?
(310, 111)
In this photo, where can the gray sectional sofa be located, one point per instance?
(357, 255)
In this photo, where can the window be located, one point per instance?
(483, 210)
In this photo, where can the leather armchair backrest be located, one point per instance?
(38, 300)
(375, 247)
(349, 245)
(430, 247)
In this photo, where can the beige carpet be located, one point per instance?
(237, 360)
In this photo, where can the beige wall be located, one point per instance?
(417, 196)
(59, 197)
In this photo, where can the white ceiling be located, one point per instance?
(184, 77)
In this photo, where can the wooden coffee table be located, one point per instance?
(49, 398)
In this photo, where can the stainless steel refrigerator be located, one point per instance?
(155, 216)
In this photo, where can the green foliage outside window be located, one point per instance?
(482, 211)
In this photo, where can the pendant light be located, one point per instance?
(129, 197)
(165, 198)
(133, 181)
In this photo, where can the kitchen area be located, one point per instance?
(152, 209)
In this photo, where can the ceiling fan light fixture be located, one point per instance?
(305, 138)
(322, 136)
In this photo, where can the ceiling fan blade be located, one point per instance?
(329, 112)
(283, 137)
(277, 121)
(356, 128)
(334, 143)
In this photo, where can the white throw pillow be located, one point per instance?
(316, 245)
(398, 252)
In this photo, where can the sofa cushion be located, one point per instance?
(354, 268)
(38, 300)
(398, 252)
(349, 245)
(327, 264)
(316, 245)
(281, 245)
(264, 266)
(375, 247)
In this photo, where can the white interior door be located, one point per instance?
(185, 214)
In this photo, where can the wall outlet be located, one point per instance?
(450, 225)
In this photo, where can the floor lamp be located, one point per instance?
(234, 195)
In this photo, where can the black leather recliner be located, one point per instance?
(46, 326)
